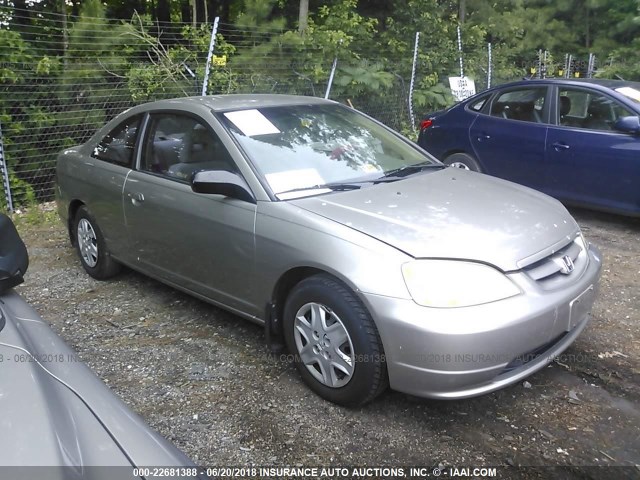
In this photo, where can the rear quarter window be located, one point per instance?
(478, 104)
(118, 145)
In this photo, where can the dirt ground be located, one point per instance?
(202, 377)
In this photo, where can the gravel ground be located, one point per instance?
(202, 377)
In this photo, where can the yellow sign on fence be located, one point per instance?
(219, 61)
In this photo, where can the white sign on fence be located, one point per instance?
(462, 87)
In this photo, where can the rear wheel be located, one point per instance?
(92, 248)
(335, 344)
(462, 160)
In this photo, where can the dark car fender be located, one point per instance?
(14, 259)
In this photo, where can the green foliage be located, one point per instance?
(16, 51)
(95, 63)
(57, 96)
(22, 112)
(257, 13)
(433, 97)
(624, 62)
(341, 24)
(364, 78)
(517, 29)
(22, 192)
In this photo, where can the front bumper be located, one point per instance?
(452, 353)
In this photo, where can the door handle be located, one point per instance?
(560, 146)
(483, 136)
(136, 198)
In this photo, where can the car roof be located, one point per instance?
(602, 82)
(219, 103)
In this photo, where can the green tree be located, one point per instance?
(21, 113)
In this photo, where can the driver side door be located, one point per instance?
(196, 242)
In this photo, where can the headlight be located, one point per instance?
(450, 283)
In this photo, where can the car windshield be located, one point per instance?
(306, 150)
(630, 92)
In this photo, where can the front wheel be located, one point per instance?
(464, 161)
(335, 344)
(92, 248)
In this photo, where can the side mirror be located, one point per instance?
(221, 182)
(14, 259)
(628, 124)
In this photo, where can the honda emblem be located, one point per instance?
(566, 265)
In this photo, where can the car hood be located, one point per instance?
(453, 213)
(55, 412)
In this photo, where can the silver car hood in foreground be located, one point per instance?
(55, 412)
(452, 213)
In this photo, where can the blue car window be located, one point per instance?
(588, 109)
(523, 104)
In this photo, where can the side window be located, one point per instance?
(588, 109)
(117, 146)
(524, 104)
(177, 146)
(477, 105)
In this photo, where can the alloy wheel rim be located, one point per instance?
(87, 242)
(324, 345)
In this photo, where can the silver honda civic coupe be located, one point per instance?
(373, 263)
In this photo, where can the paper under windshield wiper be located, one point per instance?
(410, 169)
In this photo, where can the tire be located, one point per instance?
(341, 357)
(464, 161)
(91, 246)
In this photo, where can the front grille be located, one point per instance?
(551, 272)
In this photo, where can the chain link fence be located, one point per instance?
(58, 84)
(61, 78)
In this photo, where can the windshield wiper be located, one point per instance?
(410, 170)
(336, 187)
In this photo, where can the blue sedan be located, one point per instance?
(577, 140)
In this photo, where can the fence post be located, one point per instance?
(4, 170)
(413, 79)
(539, 68)
(489, 66)
(333, 72)
(591, 65)
(212, 44)
(569, 65)
(460, 52)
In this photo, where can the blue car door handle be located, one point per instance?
(560, 146)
